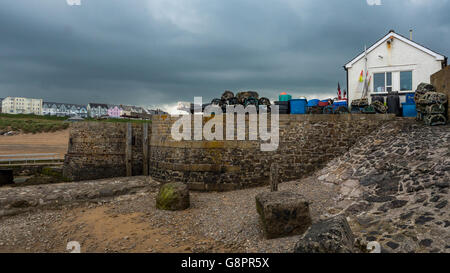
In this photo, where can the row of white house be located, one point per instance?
(19, 105)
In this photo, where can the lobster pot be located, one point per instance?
(378, 98)
(356, 110)
(298, 106)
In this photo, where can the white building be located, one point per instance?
(394, 63)
(17, 105)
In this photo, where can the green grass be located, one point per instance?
(118, 120)
(32, 123)
(42, 124)
(31, 116)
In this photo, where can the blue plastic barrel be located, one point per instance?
(313, 102)
(409, 110)
(410, 99)
(298, 106)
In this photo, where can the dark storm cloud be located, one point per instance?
(150, 52)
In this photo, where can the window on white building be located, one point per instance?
(382, 82)
(389, 82)
(406, 81)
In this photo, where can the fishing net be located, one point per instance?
(360, 103)
(379, 107)
(435, 120)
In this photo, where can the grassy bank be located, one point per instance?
(121, 120)
(42, 124)
(32, 123)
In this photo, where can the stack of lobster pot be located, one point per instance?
(359, 105)
(242, 98)
(430, 105)
(379, 106)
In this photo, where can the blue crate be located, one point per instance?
(410, 98)
(298, 106)
(409, 110)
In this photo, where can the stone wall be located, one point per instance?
(441, 80)
(98, 149)
(307, 143)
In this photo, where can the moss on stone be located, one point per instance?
(166, 197)
(173, 196)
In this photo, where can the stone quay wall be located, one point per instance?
(98, 150)
(307, 143)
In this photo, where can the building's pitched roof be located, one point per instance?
(61, 103)
(392, 33)
(95, 105)
(132, 108)
(111, 106)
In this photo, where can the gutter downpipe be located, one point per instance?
(348, 88)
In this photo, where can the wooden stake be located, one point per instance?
(274, 177)
(145, 148)
(128, 151)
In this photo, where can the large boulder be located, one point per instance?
(173, 196)
(329, 236)
(283, 213)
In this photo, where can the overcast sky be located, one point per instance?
(158, 52)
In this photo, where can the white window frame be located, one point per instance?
(385, 83)
(392, 81)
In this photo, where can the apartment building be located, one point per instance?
(18, 105)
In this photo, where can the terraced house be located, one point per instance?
(64, 109)
(114, 111)
(96, 110)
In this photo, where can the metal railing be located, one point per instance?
(30, 159)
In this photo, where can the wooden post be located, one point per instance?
(274, 177)
(145, 148)
(128, 151)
